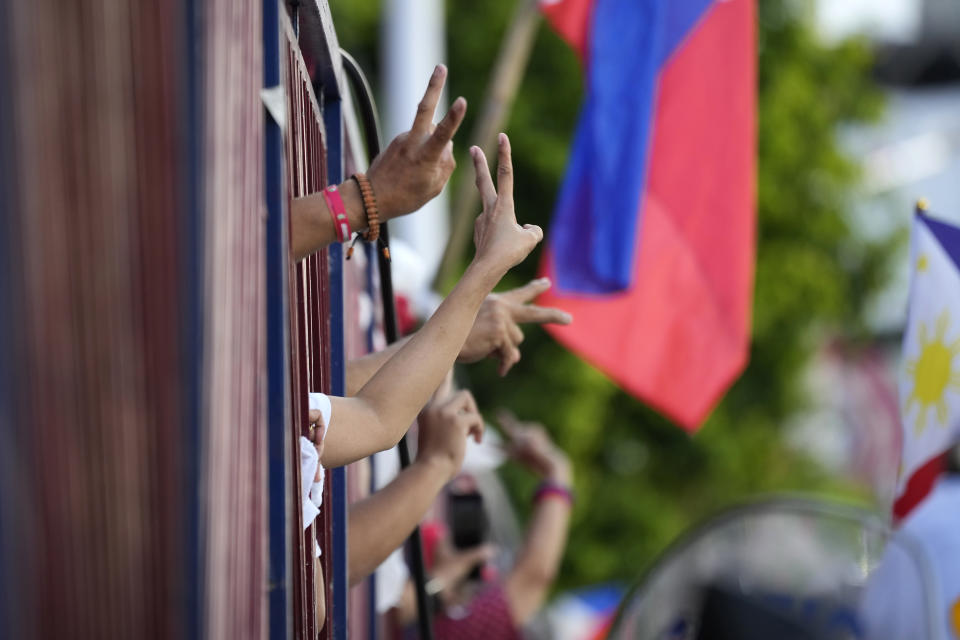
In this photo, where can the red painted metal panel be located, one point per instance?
(98, 435)
(100, 125)
(233, 463)
(310, 331)
(102, 496)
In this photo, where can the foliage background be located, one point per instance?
(640, 480)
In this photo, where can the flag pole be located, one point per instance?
(509, 69)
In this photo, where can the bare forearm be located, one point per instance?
(360, 370)
(546, 539)
(381, 411)
(311, 225)
(380, 523)
(539, 558)
(404, 384)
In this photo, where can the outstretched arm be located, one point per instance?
(531, 577)
(411, 171)
(380, 523)
(377, 417)
(496, 333)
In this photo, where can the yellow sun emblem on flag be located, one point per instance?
(932, 373)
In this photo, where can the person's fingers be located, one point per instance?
(459, 564)
(428, 105)
(535, 230)
(473, 426)
(508, 421)
(541, 315)
(315, 417)
(504, 169)
(515, 334)
(539, 434)
(509, 356)
(446, 128)
(470, 403)
(527, 292)
(521, 435)
(488, 194)
(462, 401)
(482, 553)
(445, 390)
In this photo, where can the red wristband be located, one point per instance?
(338, 212)
(548, 489)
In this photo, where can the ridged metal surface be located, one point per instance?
(310, 331)
(133, 413)
(92, 494)
(234, 411)
(99, 513)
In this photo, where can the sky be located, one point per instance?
(891, 20)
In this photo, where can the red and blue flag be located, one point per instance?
(652, 241)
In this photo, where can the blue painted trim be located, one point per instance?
(334, 128)
(192, 319)
(279, 524)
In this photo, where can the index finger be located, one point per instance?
(484, 182)
(504, 169)
(463, 401)
(541, 315)
(527, 292)
(428, 105)
(447, 128)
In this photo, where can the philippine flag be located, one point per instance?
(651, 247)
(930, 374)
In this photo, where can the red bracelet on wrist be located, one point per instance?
(549, 489)
(331, 195)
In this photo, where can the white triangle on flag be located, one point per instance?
(930, 367)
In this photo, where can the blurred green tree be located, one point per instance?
(640, 480)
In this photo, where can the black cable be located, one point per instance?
(371, 125)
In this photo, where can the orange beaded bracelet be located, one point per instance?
(369, 207)
(372, 234)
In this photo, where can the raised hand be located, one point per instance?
(445, 424)
(530, 445)
(496, 331)
(501, 243)
(451, 567)
(414, 167)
